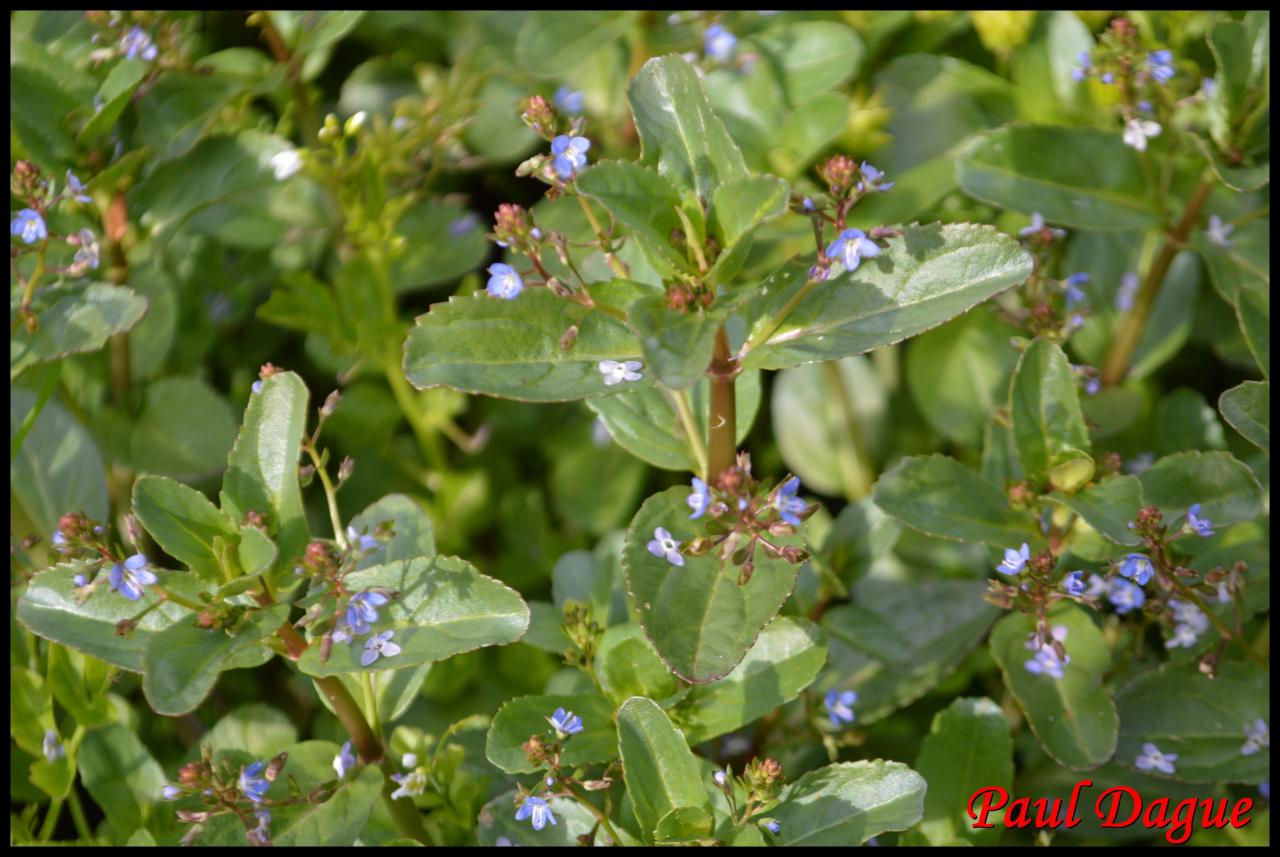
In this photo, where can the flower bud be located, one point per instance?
(535, 750)
(838, 172)
(538, 115)
(330, 404)
(345, 469)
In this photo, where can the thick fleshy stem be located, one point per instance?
(722, 429)
(1127, 338)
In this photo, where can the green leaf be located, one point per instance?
(114, 96)
(341, 819)
(737, 208)
(525, 716)
(1107, 507)
(183, 522)
(701, 621)
(1073, 717)
(262, 470)
(677, 345)
(940, 496)
(444, 241)
(595, 488)
(414, 535)
(181, 662)
(897, 641)
(923, 278)
(1247, 408)
(551, 41)
(1225, 488)
(627, 666)
(1082, 177)
(256, 728)
(847, 803)
(57, 469)
(73, 320)
(1229, 41)
(256, 552)
(968, 747)
(785, 659)
(646, 202)
(48, 608)
(1203, 720)
(829, 421)
(120, 775)
(442, 607)
(30, 709)
(186, 428)
(498, 821)
(810, 56)
(1184, 420)
(480, 344)
(662, 774)
(958, 374)
(679, 133)
(1044, 402)
(80, 685)
(644, 422)
(1253, 309)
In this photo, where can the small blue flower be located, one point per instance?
(131, 577)
(568, 101)
(570, 155)
(1208, 87)
(819, 273)
(1092, 386)
(1256, 737)
(29, 226)
(464, 225)
(1037, 227)
(1074, 583)
(171, 792)
(789, 506)
(1145, 106)
(504, 282)
(718, 43)
(1137, 567)
(1108, 78)
(1081, 71)
(1046, 660)
(618, 371)
(76, 188)
(263, 831)
(379, 645)
(565, 722)
(361, 612)
(1014, 560)
(251, 785)
(719, 778)
(773, 826)
(535, 808)
(1160, 64)
(700, 499)
(344, 761)
(1128, 290)
(1219, 232)
(59, 542)
(137, 43)
(257, 386)
(1153, 760)
(1074, 294)
(1125, 596)
(52, 749)
(665, 546)
(1264, 789)
(364, 543)
(807, 204)
(80, 580)
(872, 179)
(88, 252)
(839, 705)
(1198, 525)
(851, 247)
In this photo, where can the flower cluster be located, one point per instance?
(534, 806)
(1049, 658)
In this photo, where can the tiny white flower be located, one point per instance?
(411, 784)
(285, 164)
(1136, 132)
(1219, 232)
(615, 372)
(409, 760)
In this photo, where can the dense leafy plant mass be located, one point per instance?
(841, 412)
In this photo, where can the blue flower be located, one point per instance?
(262, 831)
(344, 761)
(700, 499)
(789, 506)
(52, 749)
(568, 100)
(1108, 78)
(1092, 386)
(29, 226)
(665, 546)
(807, 204)
(1196, 524)
(617, 371)
(1081, 71)
(1160, 64)
(851, 247)
(1074, 294)
(1129, 284)
(253, 786)
(773, 826)
(1014, 560)
(80, 580)
(1046, 660)
(76, 188)
(361, 612)
(1037, 227)
(570, 155)
(1074, 583)
(1219, 232)
(464, 225)
(412, 784)
(536, 808)
(379, 645)
(1125, 596)
(171, 792)
(137, 43)
(1153, 760)
(1208, 87)
(504, 282)
(363, 543)
(1145, 106)
(59, 542)
(257, 386)
(130, 577)
(839, 705)
(88, 252)
(872, 179)
(1256, 737)
(718, 43)
(1137, 567)
(719, 777)
(565, 722)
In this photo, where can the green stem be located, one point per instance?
(679, 402)
(722, 429)
(169, 595)
(371, 702)
(330, 496)
(598, 813)
(306, 110)
(763, 335)
(47, 386)
(422, 428)
(78, 817)
(1130, 332)
(615, 264)
(50, 820)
